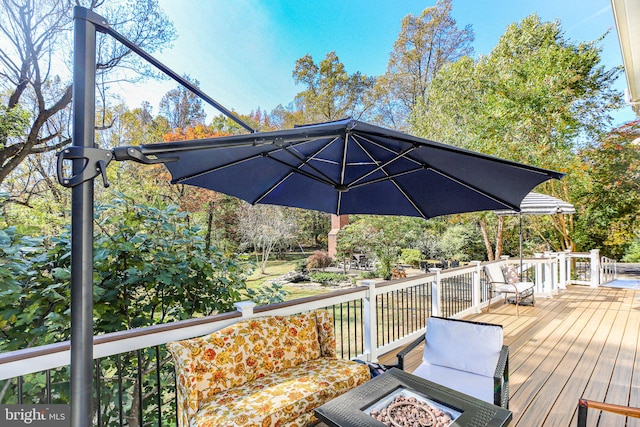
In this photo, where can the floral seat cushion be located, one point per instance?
(285, 398)
(258, 351)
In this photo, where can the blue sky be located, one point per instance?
(243, 51)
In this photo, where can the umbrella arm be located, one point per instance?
(96, 161)
(135, 154)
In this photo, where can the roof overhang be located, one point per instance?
(626, 14)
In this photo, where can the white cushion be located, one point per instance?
(463, 346)
(520, 286)
(478, 386)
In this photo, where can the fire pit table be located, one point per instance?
(400, 399)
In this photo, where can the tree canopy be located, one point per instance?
(426, 43)
(331, 93)
(35, 79)
(537, 98)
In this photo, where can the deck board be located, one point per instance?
(580, 343)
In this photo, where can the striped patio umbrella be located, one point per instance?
(538, 204)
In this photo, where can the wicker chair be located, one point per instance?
(466, 356)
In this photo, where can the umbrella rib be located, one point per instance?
(273, 187)
(377, 144)
(463, 183)
(305, 161)
(473, 188)
(382, 166)
(343, 170)
(390, 177)
(344, 157)
(296, 169)
(226, 165)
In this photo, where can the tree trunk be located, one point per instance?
(499, 239)
(209, 226)
(487, 241)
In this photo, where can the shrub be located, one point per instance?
(411, 257)
(267, 294)
(319, 259)
(301, 266)
(326, 278)
(369, 274)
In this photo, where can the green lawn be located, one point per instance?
(277, 268)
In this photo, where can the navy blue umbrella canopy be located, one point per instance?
(350, 167)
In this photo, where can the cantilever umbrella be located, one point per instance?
(347, 167)
(342, 167)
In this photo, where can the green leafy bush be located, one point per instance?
(411, 257)
(633, 252)
(271, 293)
(327, 278)
(369, 274)
(301, 266)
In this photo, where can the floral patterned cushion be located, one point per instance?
(512, 275)
(246, 351)
(285, 398)
(326, 333)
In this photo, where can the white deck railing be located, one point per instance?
(372, 319)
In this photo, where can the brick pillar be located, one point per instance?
(337, 222)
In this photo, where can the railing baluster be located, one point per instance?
(349, 332)
(98, 386)
(140, 397)
(158, 388)
(341, 332)
(175, 395)
(48, 381)
(120, 393)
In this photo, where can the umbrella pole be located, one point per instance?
(520, 215)
(82, 196)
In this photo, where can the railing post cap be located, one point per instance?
(538, 254)
(435, 269)
(369, 283)
(245, 307)
(244, 304)
(475, 262)
(505, 257)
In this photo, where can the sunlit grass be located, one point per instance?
(276, 268)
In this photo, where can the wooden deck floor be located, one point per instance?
(580, 343)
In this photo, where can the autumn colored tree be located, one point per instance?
(195, 199)
(610, 218)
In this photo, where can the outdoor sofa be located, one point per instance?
(265, 371)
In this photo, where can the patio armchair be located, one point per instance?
(509, 285)
(584, 404)
(466, 356)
